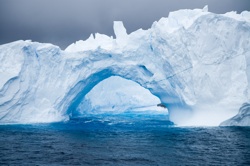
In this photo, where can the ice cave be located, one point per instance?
(195, 62)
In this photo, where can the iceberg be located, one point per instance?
(195, 62)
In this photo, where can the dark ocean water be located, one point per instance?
(122, 141)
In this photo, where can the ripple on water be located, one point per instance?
(122, 142)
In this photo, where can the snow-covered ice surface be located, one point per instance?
(196, 62)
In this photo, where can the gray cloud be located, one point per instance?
(62, 22)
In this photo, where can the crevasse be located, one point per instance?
(196, 62)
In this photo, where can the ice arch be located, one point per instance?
(45, 83)
(137, 73)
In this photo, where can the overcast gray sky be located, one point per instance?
(63, 22)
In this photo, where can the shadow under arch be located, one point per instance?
(84, 86)
(137, 73)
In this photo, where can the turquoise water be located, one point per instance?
(122, 140)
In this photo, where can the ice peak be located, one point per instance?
(119, 29)
(205, 9)
(120, 33)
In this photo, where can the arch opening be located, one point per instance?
(116, 95)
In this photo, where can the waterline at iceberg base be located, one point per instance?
(196, 62)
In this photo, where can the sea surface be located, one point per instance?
(123, 140)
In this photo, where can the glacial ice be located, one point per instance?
(196, 62)
(241, 119)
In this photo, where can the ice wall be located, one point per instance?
(194, 61)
